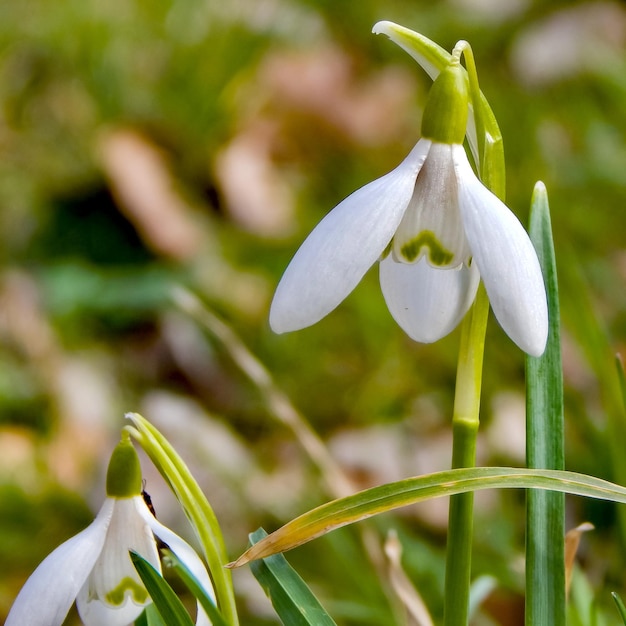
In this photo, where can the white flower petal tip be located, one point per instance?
(345, 244)
(506, 259)
(426, 302)
(187, 556)
(47, 597)
(534, 336)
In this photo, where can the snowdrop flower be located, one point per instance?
(94, 568)
(438, 231)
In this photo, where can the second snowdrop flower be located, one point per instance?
(94, 569)
(438, 231)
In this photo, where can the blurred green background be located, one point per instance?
(146, 144)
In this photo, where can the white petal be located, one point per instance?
(426, 302)
(49, 593)
(97, 613)
(345, 244)
(506, 259)
(432, 225)
(113, 594)
(187, 555)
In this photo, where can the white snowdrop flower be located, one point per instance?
(94, 569)
(436, 229)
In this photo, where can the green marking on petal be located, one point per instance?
(437, 254)
(138, 592)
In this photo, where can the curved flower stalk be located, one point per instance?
(432, 58)
(438, 230)
(94, 569)
(196, 506)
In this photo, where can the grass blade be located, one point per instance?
(150, 617)
(293, 601)
(620, 606)
(545, 510)
(196, 588)
(165, 599)
(370, 502)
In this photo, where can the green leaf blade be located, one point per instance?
(545, 448)
(385, 498)
(150, 617)
(198, 591)
(165, 599)
(620, 606)
(292, 599)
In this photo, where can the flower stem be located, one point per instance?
(465, 423)
(490, 151)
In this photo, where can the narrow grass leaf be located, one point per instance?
(370, 502)
(196, 588)
(545, 510)
(197, 507)
(291, 598)
(165, 599)
(620, 607)
(150, 617)
(142, 620)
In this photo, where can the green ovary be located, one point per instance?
(137, 591)
(437, 254)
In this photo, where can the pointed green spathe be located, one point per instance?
(445, 115)
(124, 473)
(483, 133)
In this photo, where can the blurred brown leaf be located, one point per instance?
(145, 188)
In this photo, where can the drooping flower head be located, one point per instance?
(436, 230)
(94, 568)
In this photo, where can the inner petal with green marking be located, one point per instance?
(431, 226)
(113, 580)
(127, 586)
(437, 254)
